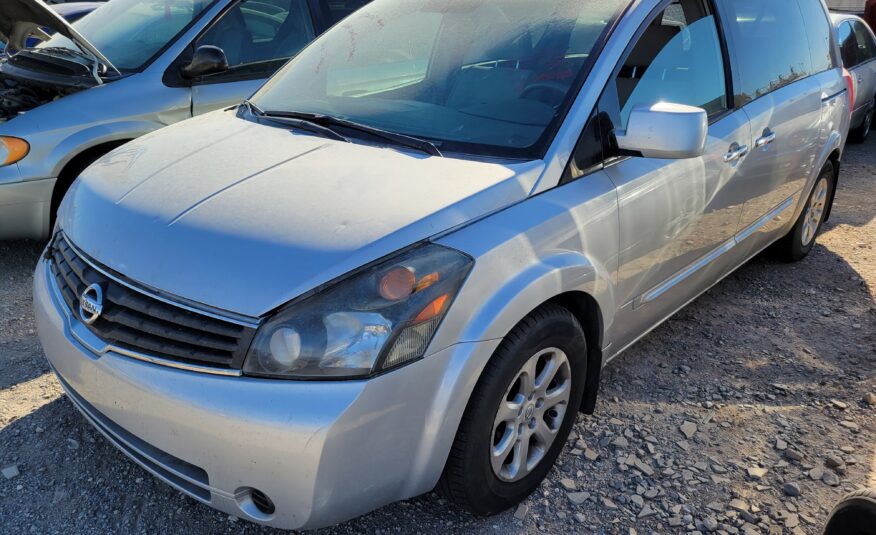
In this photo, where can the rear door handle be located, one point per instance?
(736, 152)
(767, 138)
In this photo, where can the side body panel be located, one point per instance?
(775, 174)
(676, 219)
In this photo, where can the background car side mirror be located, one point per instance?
(665, 131)
(207, 60)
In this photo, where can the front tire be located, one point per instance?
(797, 244)
(520, 414)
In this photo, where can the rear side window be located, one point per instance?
(866, 45)
(819, 30)
(771, 45)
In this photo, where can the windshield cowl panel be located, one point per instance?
(483, 77)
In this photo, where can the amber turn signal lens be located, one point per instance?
(427, 281)
(12, 150)
(433, 309)
(397, 284)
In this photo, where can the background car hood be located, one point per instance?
(245, 217)
(19, 19)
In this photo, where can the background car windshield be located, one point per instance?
(490, 77)
(130, 32)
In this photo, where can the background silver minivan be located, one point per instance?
(127, 69)
(858, 49)
(404, 262)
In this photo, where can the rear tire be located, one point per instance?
(520, 414)
(854, 515)
(859, 135)
(797, 244)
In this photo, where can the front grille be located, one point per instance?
(136, 321)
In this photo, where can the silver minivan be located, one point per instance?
(858, 52)
(403, 262)
(129, 68)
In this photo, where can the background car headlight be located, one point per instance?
(376, 319)
(12, 150)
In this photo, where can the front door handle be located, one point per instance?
(736, 152)
(767, 138)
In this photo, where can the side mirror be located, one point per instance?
(207, 60)
(666, 131)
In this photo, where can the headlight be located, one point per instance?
(12, 150)
(375, 320)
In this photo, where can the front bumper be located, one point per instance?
(24, 206)
(323, 452)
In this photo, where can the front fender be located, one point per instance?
(564, 240)
(96, 135)
(557, 274)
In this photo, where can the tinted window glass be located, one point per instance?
(678, 59)
(130, 32)
(488, 77)
(848, 45)
(770, 43)
(381, 69)
(256, 33)
(587, 156)
(866, 45)
(818, 28)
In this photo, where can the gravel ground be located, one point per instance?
(747, 412)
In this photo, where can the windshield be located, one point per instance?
(130, 32)
(485, 77)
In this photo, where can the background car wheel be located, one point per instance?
(854, 515)
(797, 244)
(520, 414)
(859, 135)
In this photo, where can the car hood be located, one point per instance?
(20, 19)
(244, 217)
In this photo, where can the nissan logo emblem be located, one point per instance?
(91, 304)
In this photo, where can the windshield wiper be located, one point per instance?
(327, 120)
(295, 122)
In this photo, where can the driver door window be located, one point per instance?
(258, 36)
(678, 59)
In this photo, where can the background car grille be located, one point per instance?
(135, 321)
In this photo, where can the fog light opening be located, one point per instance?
(262, 502)
(255, 503)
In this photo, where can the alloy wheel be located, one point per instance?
(530, 415)
(814, 212)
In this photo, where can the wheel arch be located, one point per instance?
(586, 310)
(835, 159)
(75, 165)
